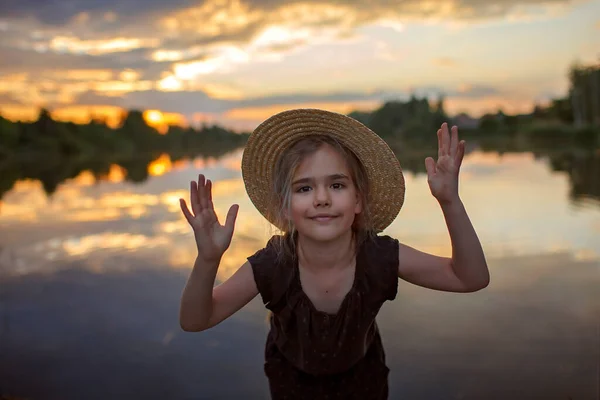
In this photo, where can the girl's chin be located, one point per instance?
(323, 232)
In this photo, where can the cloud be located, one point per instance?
(6, 98)
(59, 13)
(466, 90)
(171, 55)
(185, 102)
(36, 62)
(181, 24)
(190, 102)
(445, 62)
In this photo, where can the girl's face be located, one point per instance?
(324, 200)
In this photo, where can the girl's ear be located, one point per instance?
(286, 213)
(358, 206)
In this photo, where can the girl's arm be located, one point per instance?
(202, 306)
(467, 270)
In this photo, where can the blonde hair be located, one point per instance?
(281, 194)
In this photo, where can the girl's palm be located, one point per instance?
(212, 238)
(442, 175)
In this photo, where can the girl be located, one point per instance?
(330, 185)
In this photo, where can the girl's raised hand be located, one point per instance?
(442, 175)
(212, 238)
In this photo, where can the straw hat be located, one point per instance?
(271, 138)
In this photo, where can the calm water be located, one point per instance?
(91, 279)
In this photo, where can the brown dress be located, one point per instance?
(311, 354)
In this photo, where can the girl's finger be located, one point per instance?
(445, 139)
(453, 141)
(210, 205)
(209, 194)
(439, 135)
(231, 216)
(186, 212)
(202, 192)
(194, 197)
(460, 153)
(430, 167)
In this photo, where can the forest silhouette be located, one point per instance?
(567, 131)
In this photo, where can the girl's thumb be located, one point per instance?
(231, 216)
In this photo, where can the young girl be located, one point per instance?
(330, 185)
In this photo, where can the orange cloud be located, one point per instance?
(251, 116)
(81, 114)
(444, 62)
(233, 35)
(254, 114)
(72, 44)
(15, 112)
(79, 74)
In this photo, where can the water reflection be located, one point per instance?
(583, 171)
(582, 166)
(90, 279)
(509, 196)
(81, 334)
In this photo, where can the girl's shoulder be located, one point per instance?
(380, 258)
(381, 247)
(270, 250)
(269, 269)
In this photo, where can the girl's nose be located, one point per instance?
(321, 197)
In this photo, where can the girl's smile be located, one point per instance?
(323, 217)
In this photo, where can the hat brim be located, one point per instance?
(270, 139)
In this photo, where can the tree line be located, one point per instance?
(53, 151)
(574, 118)
(49, 138)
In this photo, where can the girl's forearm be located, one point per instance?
(468, 260)
(196, 300)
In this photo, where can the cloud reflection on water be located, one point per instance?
(516, 203)
(116, 256)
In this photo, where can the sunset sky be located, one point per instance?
(237, 62)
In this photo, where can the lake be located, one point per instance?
(91, 278)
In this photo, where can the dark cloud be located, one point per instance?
(299, 98)
(475, 91)
(18, 60)
(184, 102)
(59, 12)
(189, 102)
(6, 98)
(138, 19)
(467, 91)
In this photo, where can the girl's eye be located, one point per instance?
(303, 189)
(337, 185)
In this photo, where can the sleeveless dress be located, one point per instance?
(311, 354)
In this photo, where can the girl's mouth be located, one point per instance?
(324, 218)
